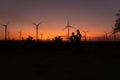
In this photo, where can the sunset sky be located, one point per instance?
(95, 16)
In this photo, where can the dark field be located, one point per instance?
(59, 61)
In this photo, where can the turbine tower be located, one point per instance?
(41, 36)
(68, 27)
(6, 26)
(8, 35)
(85, 35)
(106, 35)
(20, 35)
(37, 26)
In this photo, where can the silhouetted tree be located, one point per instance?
(29, 39)
(58, 39)
(113, 33)
(117, 24)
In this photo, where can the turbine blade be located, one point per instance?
(73, 27)
(2, 24)
(40, 22)
(8, 23)
(66, 27)
(34, 24)
(67, 21)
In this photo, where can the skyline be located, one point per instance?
(95, 16)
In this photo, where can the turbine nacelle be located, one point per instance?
(5, 24)
(38, 23)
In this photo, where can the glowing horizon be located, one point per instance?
(51, 33)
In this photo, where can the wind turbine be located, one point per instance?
(106, 35)
(8, 35)
(85, 35)
(37, 26)
(68, 27)
(6, 26)
(20, 35)
(41, 36)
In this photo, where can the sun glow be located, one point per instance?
(45, 34)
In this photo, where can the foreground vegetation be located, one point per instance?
(58, 61)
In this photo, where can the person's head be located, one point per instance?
(78, 31)
(73, 33)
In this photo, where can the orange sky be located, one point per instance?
(95, 16)
(49, 31)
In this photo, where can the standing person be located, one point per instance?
(78, 36)
(72, 37)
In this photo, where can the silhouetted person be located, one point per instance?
(72, 37)
(78, 36)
